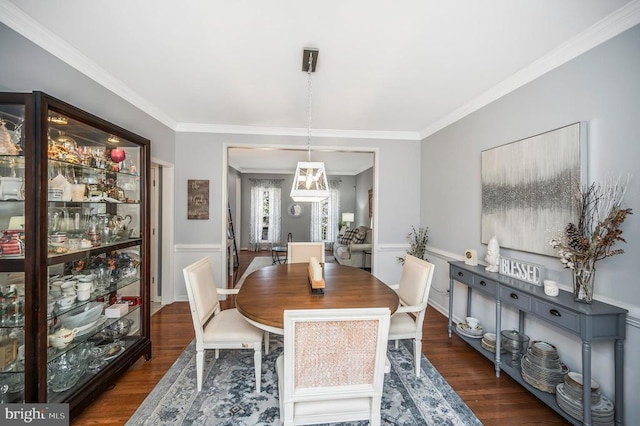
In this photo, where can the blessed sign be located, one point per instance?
(528, 272)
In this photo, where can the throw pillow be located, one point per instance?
(360, 236)
(348, 236)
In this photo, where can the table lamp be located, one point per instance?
(347, 219)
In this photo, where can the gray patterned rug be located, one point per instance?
(228, 394)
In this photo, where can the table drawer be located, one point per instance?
(484, 285)
(461, 276)
(514, 297)
(557, 315)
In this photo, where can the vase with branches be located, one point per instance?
(417, 243)
(600, 215)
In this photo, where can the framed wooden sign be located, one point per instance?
(198, 199)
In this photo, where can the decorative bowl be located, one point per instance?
(65, 371)
(118, 329)
(88, 315)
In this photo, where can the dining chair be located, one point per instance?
(413, 292)
(215, 328)
(332, 366)
(302, 252)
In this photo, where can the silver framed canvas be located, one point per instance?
(529, 186)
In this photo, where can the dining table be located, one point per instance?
(267, 292)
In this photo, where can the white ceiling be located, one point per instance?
(386, 69)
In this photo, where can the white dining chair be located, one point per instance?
(302, 252)
(215, 328)
(413, 292)
(332, 367)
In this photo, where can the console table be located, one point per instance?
(594, 322)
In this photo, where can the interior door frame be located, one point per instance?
(167, 205)
(356, 149)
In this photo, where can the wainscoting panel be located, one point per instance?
(185, 254)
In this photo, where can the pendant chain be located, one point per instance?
(310, 93)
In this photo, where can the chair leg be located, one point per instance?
(199, 368)
(396, 343)
(257, 361)
(416, 355)
(374, 415)
(266, 343)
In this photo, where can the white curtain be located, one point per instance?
(273, 189)
(332, 205)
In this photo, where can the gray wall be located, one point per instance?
(26, 67)
(364, 182)
(601, 87)
(200, 156)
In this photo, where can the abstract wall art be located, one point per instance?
(529, 187)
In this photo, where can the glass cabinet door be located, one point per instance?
(94, 252)
(12, 227)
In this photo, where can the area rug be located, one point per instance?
(256, 263)
(228, 394)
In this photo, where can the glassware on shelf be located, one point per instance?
(516, 343)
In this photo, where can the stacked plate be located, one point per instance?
(475, 333)
(569, 398)
(489, 342)
(541, 367)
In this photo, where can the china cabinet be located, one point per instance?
(74, 246)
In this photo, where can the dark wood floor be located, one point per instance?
(495, 401)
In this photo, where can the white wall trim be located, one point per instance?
(603, 30)
(168, 229)
(198, 248)
(295, 131)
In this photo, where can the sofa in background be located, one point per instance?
(349, 248)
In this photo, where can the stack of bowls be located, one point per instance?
(541, 367)
(569, 398)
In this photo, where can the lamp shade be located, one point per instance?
(310, 182)
(347, 217)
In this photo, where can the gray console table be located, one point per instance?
(594, 322)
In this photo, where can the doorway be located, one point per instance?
(161, 234)
(282, 159)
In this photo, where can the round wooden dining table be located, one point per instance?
(269, 291)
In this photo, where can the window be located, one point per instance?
(324, 216)
(266, 216)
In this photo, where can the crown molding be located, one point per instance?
(296, 131)
(603, 30)
(23, 24)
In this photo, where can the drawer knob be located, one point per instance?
(460, 274)
(482, 283)
(514, 296)
(555, 313)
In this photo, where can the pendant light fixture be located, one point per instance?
(310, 181)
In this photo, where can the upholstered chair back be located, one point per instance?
(302, 252)
(333, 365)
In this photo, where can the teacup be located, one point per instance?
(472, 322)
(61, 338)
(66, 301)
(84, 294)
(54, 289)
(82, 286)
(67, 286)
